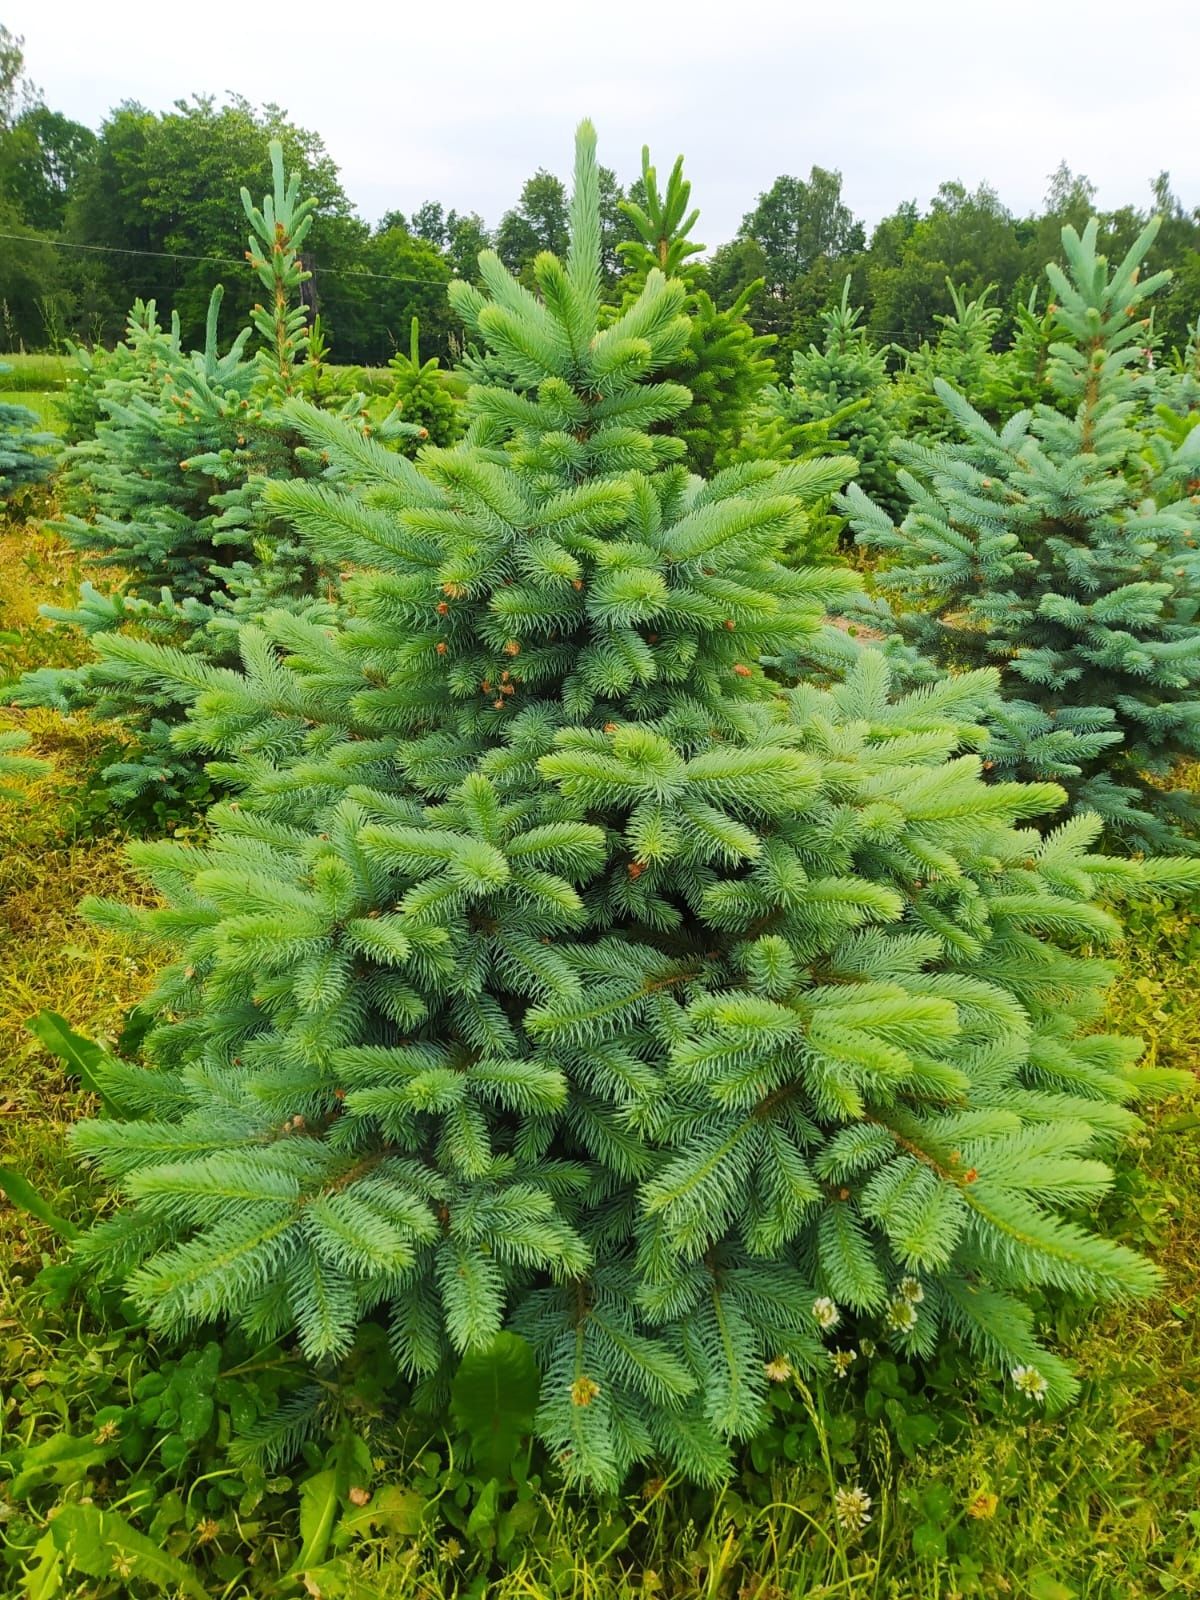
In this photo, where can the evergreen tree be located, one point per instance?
(555, 971)
(170, 488)
(23, 448)
(315, 379)
(1179, 381)
(79, 402)
(1057, 548)
(846, 384)
(961, 356)
(1021, 373)
(134, 500)
(1173, 448)
(725, 364)
(421, 397)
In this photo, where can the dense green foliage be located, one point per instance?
(967, 1479)
(138, 211)
(1057, 546)
(844, 385)
(802, 238)
(613, 1016)
(724, 365)
(168, 491)
(556, 972)
(421, 398)
(961, 356)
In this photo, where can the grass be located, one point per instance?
(36, 382)
(48, 956)
(43, 403)
(1100, 1503)
(32, 371)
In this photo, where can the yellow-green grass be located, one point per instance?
(38, 567)
(42, 402)
(48, 956)
(29, 370)
(1100, 1503)
(36, 384)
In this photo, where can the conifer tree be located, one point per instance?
(961, 356)
(846, 384)
(79, 402)
(725, 364)
(1056, 547)
(554, 971)
(24, 447)
(1173, 447)
(134, 501)
(168, 491)
(1179, 380)
(1021, 373)
(420, 397)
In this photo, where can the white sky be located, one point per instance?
(460, 100)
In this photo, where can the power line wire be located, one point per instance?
(223, 261)
(233, 261)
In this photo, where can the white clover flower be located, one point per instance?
(901, 1315)
(841, 1361)
(779, 1370)
(866, 1348)
(1030, 1382)
(827, 1314)
(852, 1508)
(911, 1290)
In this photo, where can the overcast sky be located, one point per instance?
(461, 100)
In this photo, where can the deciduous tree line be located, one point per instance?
(93, 220)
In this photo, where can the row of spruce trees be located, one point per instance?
(594, 939)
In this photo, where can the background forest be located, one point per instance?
(92, 220)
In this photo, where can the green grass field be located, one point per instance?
(36, 381)
(34, 372)
(43, 403)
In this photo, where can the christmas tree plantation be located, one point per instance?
(169, 488)
(1060, 547)
(555, 972)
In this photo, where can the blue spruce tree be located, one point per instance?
(168, 492)
(556, 972)
(1059, 548)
